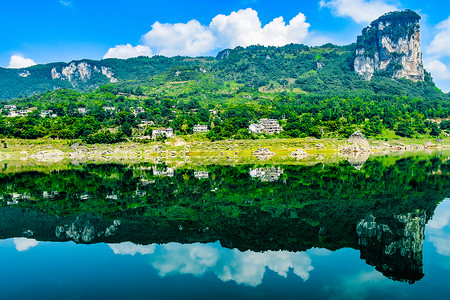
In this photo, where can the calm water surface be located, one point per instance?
(379, 230)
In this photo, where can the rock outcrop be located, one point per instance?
(358, 144)
(299, 154)
(223, 54)
(263, 154)
(390, 46)
(81, 72)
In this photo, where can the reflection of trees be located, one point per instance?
(313, 206)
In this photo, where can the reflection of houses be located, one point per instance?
(50, 195)
(269, 126)
(200, 128)
(201, 174)
(271, 174)
(163, 132)
(85, 196)
(160, 172)
(16, 198)
(141, 193)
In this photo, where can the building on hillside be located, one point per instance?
(82, 110)
(146, 123)
(212, 112)
(269, 126)
(19, 113)
(138, 110)
(200, 128)
(49, 113)
(9, 107)
(256, 128)
(164, 132)
(109, 108)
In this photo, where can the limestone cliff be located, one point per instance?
(390, 46)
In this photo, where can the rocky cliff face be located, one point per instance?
(390, 46)
(81, 72)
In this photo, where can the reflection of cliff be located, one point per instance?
(394, 246)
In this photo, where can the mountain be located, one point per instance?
(385, 60)
(84, 75)
(391, 44)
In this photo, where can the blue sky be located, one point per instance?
(64, 30)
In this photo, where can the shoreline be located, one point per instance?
(178, 151)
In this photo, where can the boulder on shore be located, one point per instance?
(263, 154)
(299, 154)
(358, 143)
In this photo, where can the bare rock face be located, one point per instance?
(224, 54)
(390, 45)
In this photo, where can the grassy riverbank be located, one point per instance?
(184, 150)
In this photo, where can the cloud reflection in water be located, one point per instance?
(438, 229)
(247, 268)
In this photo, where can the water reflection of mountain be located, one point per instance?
(380, 210)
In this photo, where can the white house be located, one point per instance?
(269, 126)
(200, 128)
(166, 132)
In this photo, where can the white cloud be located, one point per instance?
(65, 3)
(241, 28)
(244, 28)
(18, 62)
(439, 46)
(128, 51)
(360, 11)
(438, 69)
(189, 39)
(128, 248)
(23, 244)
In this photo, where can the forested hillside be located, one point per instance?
(326, 70)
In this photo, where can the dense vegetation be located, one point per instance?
(228, 110)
